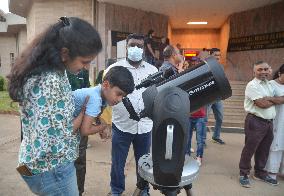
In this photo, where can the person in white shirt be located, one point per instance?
(259, 103)
(275, 162)
(126, 131)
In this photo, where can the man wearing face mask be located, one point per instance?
(126, 131)
(172, 59)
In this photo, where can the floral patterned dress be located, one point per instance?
(46, 116)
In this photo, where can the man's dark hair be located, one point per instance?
(212, 50)
(169, 51)
(121, 77)
(150, 32)
(135, 36)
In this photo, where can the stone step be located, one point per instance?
(233, 106)
(230, 117)
(228, 123)
(234, 103)
(236, 97)
(238, 92)
(234, 113)
(228, 129)
(236, 82)
(238, 88)
(234, 100)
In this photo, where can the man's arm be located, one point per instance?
(252, 92)
(276, 100)
(88, 128)
(263, 103)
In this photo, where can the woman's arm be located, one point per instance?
(77, 121)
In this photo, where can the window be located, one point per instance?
(12, 59)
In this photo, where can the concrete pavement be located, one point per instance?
(218, 174)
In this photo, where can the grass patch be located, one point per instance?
(6, 104)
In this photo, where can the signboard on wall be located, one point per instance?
(257, 42)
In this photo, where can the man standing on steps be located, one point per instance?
(217, 107)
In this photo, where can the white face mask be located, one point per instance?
(134, 53)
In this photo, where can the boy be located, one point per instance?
(117, 83)
(197, 120)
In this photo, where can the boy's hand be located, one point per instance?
(106, 133)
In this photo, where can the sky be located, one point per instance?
(4, 5)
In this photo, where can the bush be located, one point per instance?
(2, 83)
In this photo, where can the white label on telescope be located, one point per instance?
(169, 142)
(201, 88)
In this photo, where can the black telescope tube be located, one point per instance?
(204, 83)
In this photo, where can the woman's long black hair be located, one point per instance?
(44, 52)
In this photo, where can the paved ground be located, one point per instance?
(218, 174)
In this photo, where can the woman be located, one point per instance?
(275, 162)
(38, 81)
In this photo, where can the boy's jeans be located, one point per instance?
(200, 127)
(60, 181)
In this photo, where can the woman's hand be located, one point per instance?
(85, 104)
(78, 120)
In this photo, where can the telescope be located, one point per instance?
(169, 99)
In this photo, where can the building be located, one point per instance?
(240, 29)
(13, 38)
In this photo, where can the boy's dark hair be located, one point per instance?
(121, 77)
(212, 50)
(134, 36)
(44, 52)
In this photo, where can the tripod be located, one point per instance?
(190, 173)
(167, 191)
